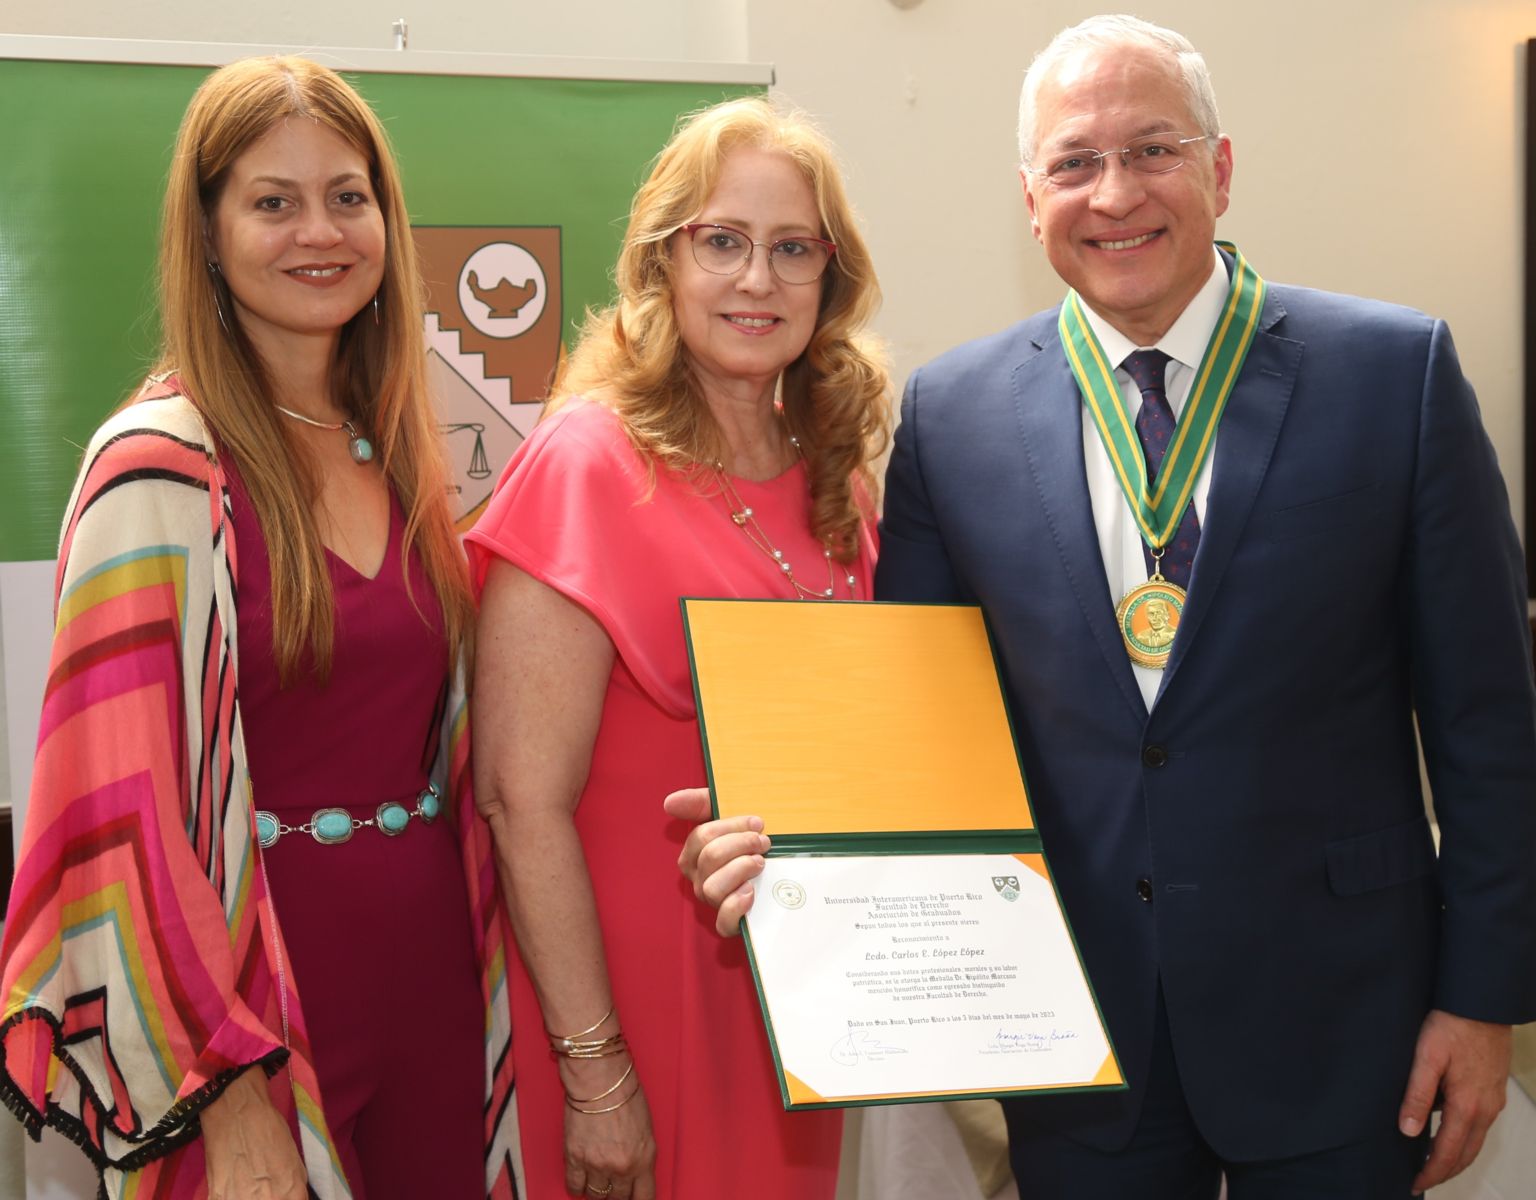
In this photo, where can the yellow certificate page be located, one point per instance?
(855, 718)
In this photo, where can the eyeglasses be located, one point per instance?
(721, 250)
(1154, 154)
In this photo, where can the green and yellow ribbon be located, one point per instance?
(1157, 510)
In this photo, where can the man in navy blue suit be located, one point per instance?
(1300, 485)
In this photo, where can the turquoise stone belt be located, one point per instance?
(332, 826)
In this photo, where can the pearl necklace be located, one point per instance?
(742, 515)
(359, 447)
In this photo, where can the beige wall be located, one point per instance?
(698, 30)
(1378, 144)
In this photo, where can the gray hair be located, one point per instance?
(1107, 32)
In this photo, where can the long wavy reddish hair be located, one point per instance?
(379, 374)
(836, 395)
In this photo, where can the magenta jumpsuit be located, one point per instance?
(378, 928)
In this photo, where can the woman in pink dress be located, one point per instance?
(711, 437)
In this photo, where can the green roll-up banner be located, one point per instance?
(518, 190)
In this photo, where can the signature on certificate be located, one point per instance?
(858, 1046)
(1027, 1041)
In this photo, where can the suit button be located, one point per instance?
(1154, 756)
(1144, 889)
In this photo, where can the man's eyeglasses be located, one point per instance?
(721, 250)
(1154, 154)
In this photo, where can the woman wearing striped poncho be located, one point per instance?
(251, 779)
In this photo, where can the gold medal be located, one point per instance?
(1149, 616)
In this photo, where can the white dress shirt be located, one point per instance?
(1120, 541)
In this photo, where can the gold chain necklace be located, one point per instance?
(744, 519)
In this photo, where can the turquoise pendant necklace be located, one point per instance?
(359, 447)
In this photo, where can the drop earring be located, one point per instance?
(375, 308)
(216, 277)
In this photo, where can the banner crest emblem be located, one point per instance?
(493, 325)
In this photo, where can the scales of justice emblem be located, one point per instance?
(493, 322)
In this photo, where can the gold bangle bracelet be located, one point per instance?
(603, 1095)
(592, 1028)
(573, 1043)
(600, 1048)
(621, 1048)
(597, 1112)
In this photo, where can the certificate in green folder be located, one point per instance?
(906, 938)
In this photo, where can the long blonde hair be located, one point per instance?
(379, 374)
(836, 395)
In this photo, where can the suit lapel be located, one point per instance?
(1050, 414)
(1245, 442)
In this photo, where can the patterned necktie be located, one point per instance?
(1154, 426)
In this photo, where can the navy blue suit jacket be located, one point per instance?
(1357, 570)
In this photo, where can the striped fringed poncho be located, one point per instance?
(143, 966)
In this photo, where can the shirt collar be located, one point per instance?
(1188, 336)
